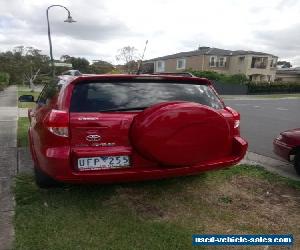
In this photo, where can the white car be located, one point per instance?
(71, 72)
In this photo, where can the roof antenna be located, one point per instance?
(140, 63)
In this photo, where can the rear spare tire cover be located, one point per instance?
(180, 134)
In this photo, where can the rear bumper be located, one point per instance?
(282, 149)
(64, 174)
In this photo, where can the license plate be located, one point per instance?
(103, 162)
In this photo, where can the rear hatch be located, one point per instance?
(108, 117)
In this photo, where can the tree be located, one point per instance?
(78, 63)
(129, 56)
(35, 62)
(101, 67)
(65, 58)
(31, 76)
(23, 63)
(285, 64)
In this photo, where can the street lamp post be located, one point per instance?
(68, 20)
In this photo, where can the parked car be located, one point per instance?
(287, 146)
(119, 128)
(71, 72)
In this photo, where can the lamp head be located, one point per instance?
(69, 20)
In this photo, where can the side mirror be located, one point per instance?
(26, 98)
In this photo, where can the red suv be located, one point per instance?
(117, 128)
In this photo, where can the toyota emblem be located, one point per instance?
(93, 138)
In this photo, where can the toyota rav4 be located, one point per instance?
(118, 128)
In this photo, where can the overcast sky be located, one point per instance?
(171, 26)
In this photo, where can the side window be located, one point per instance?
(48, 93)
(212, 61)
(160, 66)
(181, 63)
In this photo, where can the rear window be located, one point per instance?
(103, 96)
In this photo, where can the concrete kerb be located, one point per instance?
(254, 98)
(272, 165)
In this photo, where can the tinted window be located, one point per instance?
(95, 97)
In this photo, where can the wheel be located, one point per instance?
(297, 162)
(43, 180)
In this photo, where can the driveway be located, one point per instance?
(8, 162)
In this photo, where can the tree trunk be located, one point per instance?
(31, 85)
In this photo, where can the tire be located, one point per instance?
(44, 181)
(297, 163)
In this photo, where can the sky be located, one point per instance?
(170, 26)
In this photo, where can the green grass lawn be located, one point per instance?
(158, 214)
(26, 91)
(23, 124)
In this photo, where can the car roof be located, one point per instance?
(163, 77)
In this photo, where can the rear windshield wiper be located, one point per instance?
(123, 109)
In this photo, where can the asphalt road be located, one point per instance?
(263, 120)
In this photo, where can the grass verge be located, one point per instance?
(158, 214)
(23, 124)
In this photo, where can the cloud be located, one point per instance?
(171, 26)
(284, 42)
(286, 4)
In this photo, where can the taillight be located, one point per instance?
(236, 117)
(236, 123)
(58, 123)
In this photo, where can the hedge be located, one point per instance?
(253, 88)
(214, 76)
(266, 88)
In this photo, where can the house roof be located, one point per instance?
(209, 51)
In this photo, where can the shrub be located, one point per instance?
(211, 75)
(215, 76)
(278, 87)
(4, 80)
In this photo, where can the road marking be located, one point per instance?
(242, 104)
(257, 107)
(280, 108)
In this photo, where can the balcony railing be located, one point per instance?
(218, 65)
(259, 66)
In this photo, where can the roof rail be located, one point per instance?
(186, 74)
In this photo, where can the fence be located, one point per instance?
(250, 89)
(230, 89)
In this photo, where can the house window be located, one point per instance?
(160, 66)
(212, 61)
(259, 62)
(180, 64)
(273, 63)
(222, 61)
